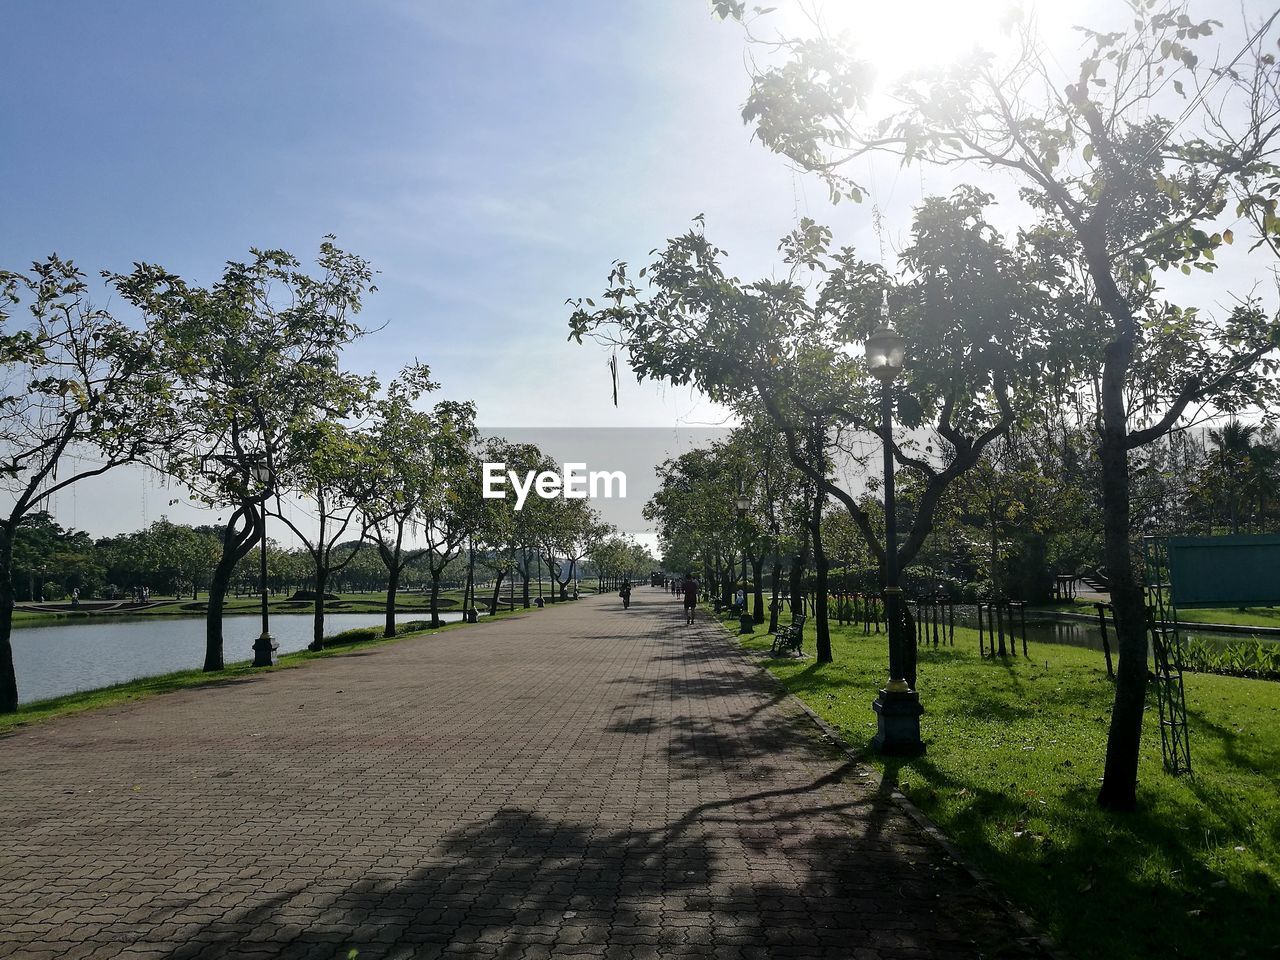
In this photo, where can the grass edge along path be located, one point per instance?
(1015, 750)
(145, 687)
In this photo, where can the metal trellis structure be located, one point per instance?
(1166, 646)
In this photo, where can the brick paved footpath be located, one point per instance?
(581, 781)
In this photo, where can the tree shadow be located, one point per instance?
(1093, 874)
(805, 871)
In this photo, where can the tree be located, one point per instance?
(252, 359)
(974, 310)
(775, 483)
(1128, 189)
(694, 513)
(1234, 459)
(504, 533)
(80, 396)
(570, 531)
(330, 467)
(167, 557)
(42, 548)
(525, 527)
(402, 471)
(618, 558)
(450, 503)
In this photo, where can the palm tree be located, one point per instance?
(1233, 445)
(1264, 477)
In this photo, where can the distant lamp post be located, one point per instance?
(898, 706)
(746, 623)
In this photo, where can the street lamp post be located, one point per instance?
(898, 706)
(264, 648)
(746, 623)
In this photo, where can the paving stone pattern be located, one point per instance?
(577, 782)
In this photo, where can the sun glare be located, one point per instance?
(904, 36)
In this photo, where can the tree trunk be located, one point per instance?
(797, 584)
(1124, 739)
(317, 622)
(8, 679)
(997, 594)
(435, 600)
(469, 590)
(499, 576)
(391, 560)
(775, 587)
(235, 546)
(757, 571)
(393, 587)
(822, 633)
(213, 623)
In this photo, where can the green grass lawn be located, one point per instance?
(1249, 617)
(336, 645)
(1015, 752)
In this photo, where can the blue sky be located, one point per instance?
(490, 158)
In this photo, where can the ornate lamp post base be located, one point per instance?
(746, 622)
(264, 651)
(898, 723)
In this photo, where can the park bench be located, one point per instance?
(790, 637)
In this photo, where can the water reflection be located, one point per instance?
(51, 661)
(1073, 633)
(1087, 633)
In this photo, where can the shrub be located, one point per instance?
(1243, 658)
(355, 635)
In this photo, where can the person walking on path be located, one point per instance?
(690, 597)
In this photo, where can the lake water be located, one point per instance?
(64, 658)
(1085, 633)
(1078, 633)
